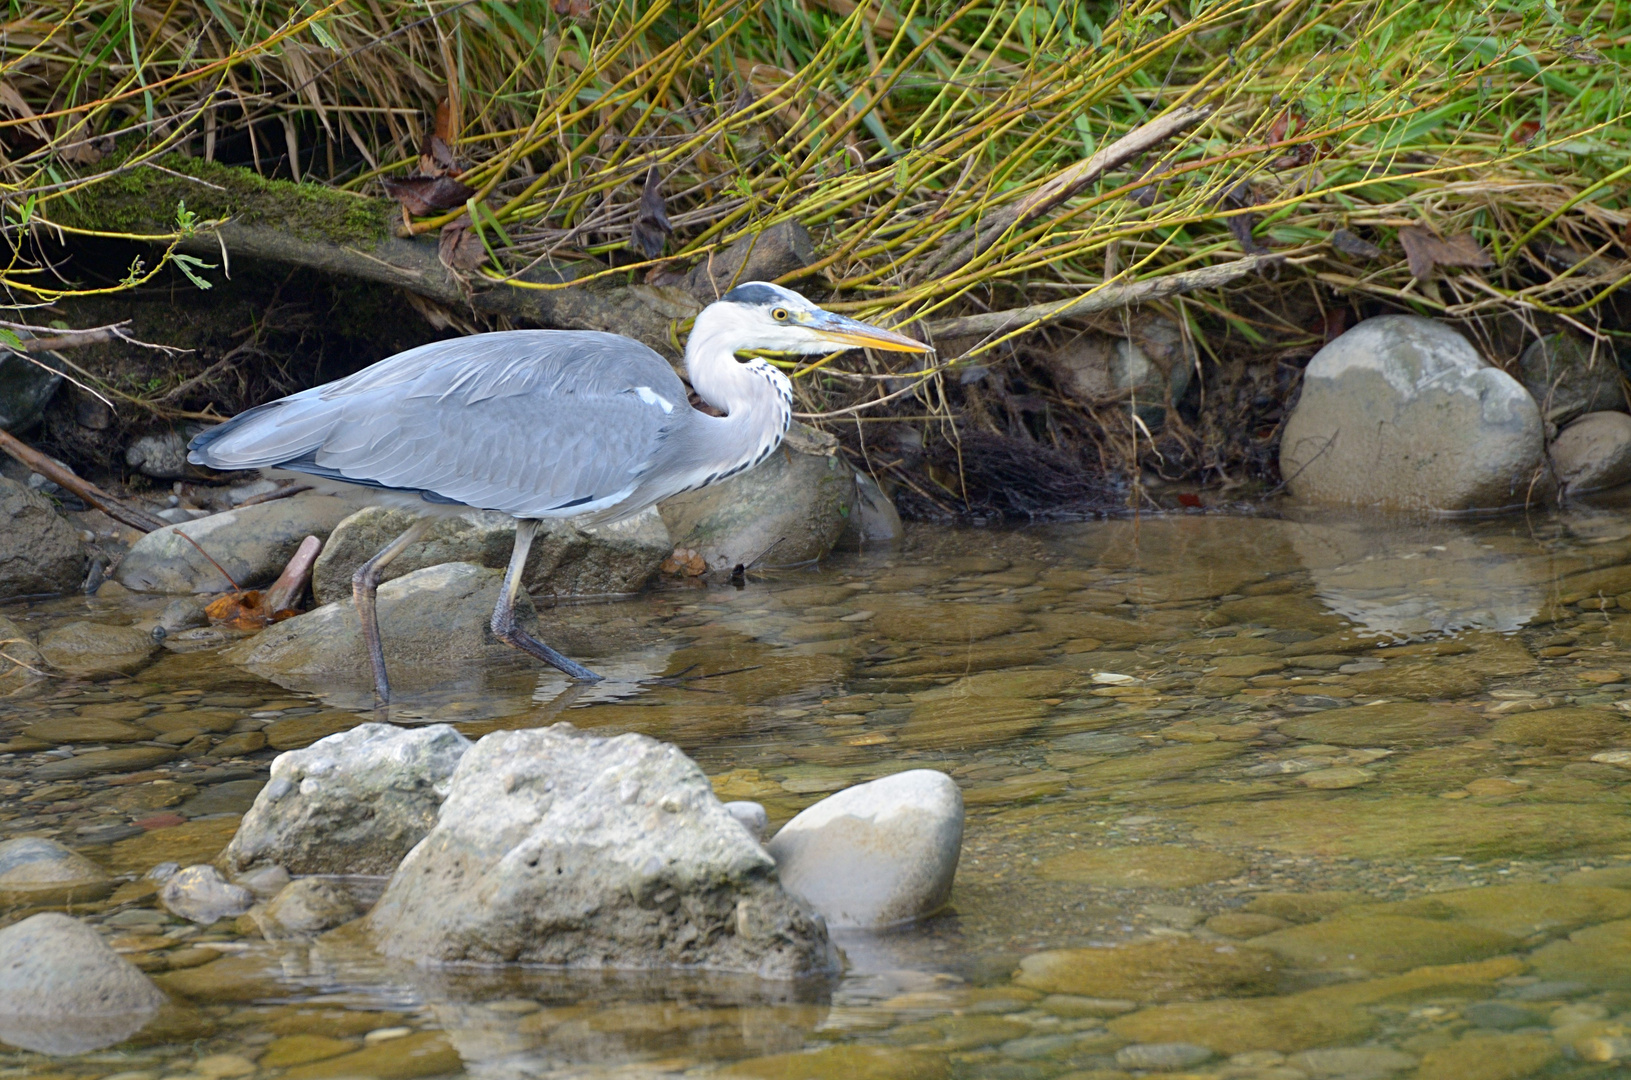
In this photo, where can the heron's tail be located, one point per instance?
(265, 436)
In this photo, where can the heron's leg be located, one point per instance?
(363, 584)
(504, 627)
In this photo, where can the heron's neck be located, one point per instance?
(756, 398)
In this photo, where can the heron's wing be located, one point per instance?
(536, 423)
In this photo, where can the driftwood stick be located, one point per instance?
(73, 339)
(134, 517)
(1064, 184)
(286, 590)
(1105, 299)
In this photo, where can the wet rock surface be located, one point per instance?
(39, 551)
(37, 871)
(565, 559)
(430, 617)
(1401, 412)
(1567, 377)
(201, 895)
(791, 509)
(617, 846)
(350, 803)
(877, 854)
(251, 544)
(89, 648)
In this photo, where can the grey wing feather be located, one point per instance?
(536, 423)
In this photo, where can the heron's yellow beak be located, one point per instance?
(853, 334)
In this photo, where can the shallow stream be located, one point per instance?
(1312, 796)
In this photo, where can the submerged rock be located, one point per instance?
(64, 991)
(304, 909)
(352, 803)
(21, 664)
(593, 852)
(1566, 379)
(251, 543)
(1593, 453)
(427, 620)
(566, 559)
(1172, 969)
(39, 551)
(87, 648)
(790, 509)
(874, 522)
(877, 854)
(35, 871)
(1402, 413)
(200, 894)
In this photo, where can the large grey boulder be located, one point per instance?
(1402, 413)
(35, 871)
(352, 803)
(564, 848)
(566, 559)
(790, 509)
(252, 544)
(39, 551)
(1593, 453)
(1566, 378)
(64, 991)
(878, 854)
(26, 388)
(428, 620)
(88, 648)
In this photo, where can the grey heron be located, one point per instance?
(540, 424)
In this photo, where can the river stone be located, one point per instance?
(35, 871)
(1384, 943)
(848, 1062)
(1162, 1057)
(251, 543)
(161, 455)
(877, 854)
(200, 894)
(1353, 1062)
(1599, 955)
(874, 524)
(1563, 731)
(351, 803)
(1395, 723)
(1170, 969)
(1565, 379)
(1593, 453)
(798, 500)
(592, 852)
(915, 620)
(39, 551)
(87, 648)
(64, 991)
(305, 908)
(127, 759)
(79, 729)
(1142, 867)
(1402, 413)
(428, 620)
(566, 559)
(21, 665)
(423, 1053)
(1487, 1056)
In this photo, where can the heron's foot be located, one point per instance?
(683, 679)
(518, 638)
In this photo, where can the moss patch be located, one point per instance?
(144, 200)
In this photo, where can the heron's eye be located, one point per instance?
(780, 314)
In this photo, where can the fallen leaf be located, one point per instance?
(684, 562)
(14, 103)
(1241, 225)
(244, 610)
(651, 225)
(87, 152)
(1424, 251)
(459, 247)
(576, 9)
(424, 195)
(1349, 244)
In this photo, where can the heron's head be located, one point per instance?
(759, 315)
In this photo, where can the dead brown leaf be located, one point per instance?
(1424, 251)
(459, 247)
(244, 610)
(423, 195)
(651, 225)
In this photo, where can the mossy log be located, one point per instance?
(317, 227)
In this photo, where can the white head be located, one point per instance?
(759, 315)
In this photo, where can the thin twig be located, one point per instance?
(119, 511)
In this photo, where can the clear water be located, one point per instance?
(1314, 797)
